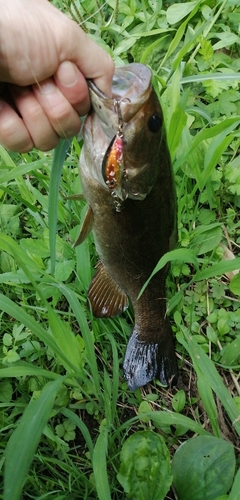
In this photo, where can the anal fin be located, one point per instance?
(106, 297)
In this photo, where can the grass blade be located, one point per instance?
(4, 155)
(18, 171)
(57, 165)
(20, 315)
(179, 34)
(65, 340)
(234, 494)
(217, 269)
(22, 369)
(163, 418)
(204, 365)
(24, 441)
(83, 428)
(115, 381)
(80, 315)
(181, 254)
(207, 398)
(100, 465)
(201, 77)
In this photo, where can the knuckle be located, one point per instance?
(61, 112)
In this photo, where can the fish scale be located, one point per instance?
(132, 235)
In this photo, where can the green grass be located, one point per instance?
(65, 409)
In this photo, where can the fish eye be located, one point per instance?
(154, 123)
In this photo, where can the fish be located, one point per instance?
(128, 183)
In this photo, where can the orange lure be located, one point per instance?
(112, 165)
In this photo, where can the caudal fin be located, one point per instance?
(145, 361)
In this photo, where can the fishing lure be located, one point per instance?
(113, 166)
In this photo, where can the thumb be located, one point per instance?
(73, 86)
(93, 62)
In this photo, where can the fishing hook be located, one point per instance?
(117, 109)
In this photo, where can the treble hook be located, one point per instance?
(117, 109)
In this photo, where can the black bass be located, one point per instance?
(127, 181)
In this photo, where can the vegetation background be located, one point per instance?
(70, 428)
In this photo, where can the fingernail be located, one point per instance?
(47, 87)
(67, 74)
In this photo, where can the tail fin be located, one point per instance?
(145, 361)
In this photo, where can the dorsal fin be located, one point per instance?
(86, 228)
(106, 297)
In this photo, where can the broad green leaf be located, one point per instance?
(145, 472)
(234, 285)
(23, 442)
(64, 269)
(32, 247)
(144, 407)
(208, 239)
(10, 246)
(7, 212)
(203, 468)
(230, 355)
(226, 39)
(124, 45)
(6, 391)
(178, 11)
(179, 400)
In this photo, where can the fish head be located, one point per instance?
(124, 134)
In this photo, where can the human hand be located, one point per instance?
(45, 59)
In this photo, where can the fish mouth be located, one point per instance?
(107, 126)
(131, 87)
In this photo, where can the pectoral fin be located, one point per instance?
(106, 297)
(86, 228)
